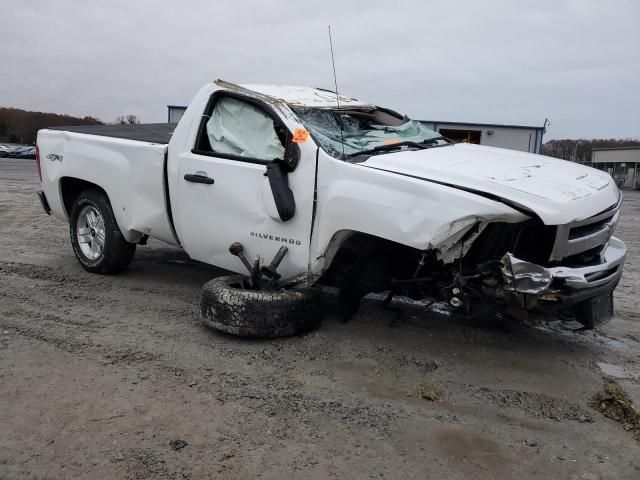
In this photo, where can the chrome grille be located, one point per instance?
(585, 235)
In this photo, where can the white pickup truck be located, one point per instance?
(364, 199)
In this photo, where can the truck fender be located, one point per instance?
(71, 187)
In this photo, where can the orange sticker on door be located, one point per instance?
(300, 135)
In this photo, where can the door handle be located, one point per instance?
(199, 177)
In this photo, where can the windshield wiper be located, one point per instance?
(434, 140)
(393, 146)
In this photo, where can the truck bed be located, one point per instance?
(147, 132)
(126, 161)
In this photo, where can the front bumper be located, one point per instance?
(526, 277)
(560, 287)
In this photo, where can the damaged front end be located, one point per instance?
(521, 268)
(584, 291)
(491, 265)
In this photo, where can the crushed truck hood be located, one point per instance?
(558, 191)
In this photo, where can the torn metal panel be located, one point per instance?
(234, 87)
(290, 95)
(525, 277)
(453, 241)
(276, 103)
(306, 96)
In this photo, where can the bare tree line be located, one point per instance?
(127, 120)
(21, 126)
(580, 150)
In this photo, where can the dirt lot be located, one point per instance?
(99, 374)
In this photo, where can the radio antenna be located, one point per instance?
(335, 82)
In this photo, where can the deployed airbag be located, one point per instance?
(239, 128)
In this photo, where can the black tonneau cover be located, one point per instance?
(147, 132)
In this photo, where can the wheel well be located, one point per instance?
(71, 187)
(398, 259)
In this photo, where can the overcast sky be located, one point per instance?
(575, 62)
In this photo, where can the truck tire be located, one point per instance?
(95, 236)
(228, 307)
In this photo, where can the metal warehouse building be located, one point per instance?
(174, 113)
(621, 163)
(515, 137)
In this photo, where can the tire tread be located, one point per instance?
(259, 314)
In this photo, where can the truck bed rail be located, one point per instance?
(146, 132)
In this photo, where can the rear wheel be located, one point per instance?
(95, 236)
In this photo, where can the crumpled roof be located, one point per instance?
(295, 95)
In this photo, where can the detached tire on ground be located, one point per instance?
(95, 236)
(228, 307)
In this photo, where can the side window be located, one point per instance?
(239, 129)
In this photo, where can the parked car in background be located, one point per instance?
(14, 151)
(26, 152)
(4, 151)
(23, 151)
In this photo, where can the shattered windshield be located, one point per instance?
(362, 131)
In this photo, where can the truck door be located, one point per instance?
(224, 195)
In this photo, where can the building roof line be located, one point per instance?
(475, 124)
(615, 148)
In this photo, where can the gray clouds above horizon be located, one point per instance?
(495, 61)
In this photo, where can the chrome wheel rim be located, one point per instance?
(90, 232)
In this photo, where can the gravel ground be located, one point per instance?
(99, 374)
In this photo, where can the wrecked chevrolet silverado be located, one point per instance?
(337, 192)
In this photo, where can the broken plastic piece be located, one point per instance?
(300, 135)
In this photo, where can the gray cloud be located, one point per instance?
(575, 62)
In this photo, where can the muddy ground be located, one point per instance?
(99, 374)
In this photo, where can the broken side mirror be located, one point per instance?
(291, 154)
(282, 194)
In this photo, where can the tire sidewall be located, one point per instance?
(98, 202)
(259, 313)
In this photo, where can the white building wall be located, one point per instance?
(623, 164)
(523, 139)
(515, 139)
(175, 113)
(622, 155)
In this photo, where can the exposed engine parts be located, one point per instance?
(508, 267)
